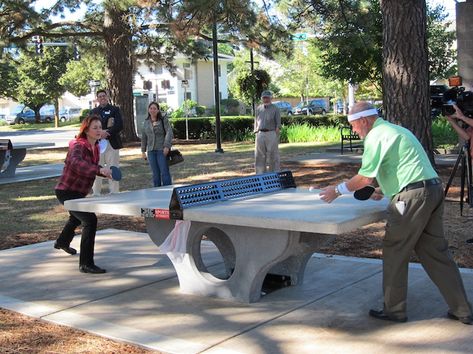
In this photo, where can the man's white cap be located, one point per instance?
(365, 113)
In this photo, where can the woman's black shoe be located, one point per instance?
(93, 269)
(67, 249)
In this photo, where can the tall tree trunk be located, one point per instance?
(117, 36)
(56, 112)
(406, 92)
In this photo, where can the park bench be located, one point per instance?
(261, 224)
(347, 134)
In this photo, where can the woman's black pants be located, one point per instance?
(89, 228)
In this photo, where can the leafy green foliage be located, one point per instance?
(9, 77)
(350, 38)
(38, 76)
(301, 75)
(440, 39)
(252, 84)
(188, 107)
(443, 134)
(80, 72)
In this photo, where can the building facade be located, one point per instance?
(191, 80)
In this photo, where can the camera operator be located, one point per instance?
(466, 133)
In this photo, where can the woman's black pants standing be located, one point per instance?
(89, 228)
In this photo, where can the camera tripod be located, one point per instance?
(464, 161)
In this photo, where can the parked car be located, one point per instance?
(20, 115)
(68, 114)
(285, 108)
(317, 106)
(47, 113)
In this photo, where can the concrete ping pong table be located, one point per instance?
(17, 153)
(260, 226)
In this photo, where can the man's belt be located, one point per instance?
(265, 130)
(421, 184)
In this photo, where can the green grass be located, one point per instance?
(443, 134)
(306, 133)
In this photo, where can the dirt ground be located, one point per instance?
(21, 334)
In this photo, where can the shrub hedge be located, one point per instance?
(237, 128)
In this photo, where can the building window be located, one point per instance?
(156, 70)
(166, 84)
(187, 71)
(188, 96)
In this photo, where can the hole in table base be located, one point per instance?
(216, 255)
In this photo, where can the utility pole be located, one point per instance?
(252, 63)
(217, 89)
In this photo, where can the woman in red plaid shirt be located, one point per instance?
(80, 169)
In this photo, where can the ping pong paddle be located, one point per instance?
(116, 173)
(364, 193)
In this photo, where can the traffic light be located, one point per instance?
(75, 52)
(38, 40)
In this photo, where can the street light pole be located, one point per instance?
(252, 63)
(217, 89)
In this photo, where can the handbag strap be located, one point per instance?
(162, 122)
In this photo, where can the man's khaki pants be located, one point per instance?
(110, 157)
(419, 228)
(267, 152)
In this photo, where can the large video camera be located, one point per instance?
(457, 95)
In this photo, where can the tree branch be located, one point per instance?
(46, 31)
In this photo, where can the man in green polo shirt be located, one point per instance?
(397, 160)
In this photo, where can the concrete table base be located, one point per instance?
(249, 254)
(17, 155)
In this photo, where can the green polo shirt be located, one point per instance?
(394, 156)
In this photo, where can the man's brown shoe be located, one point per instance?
(380, 315)
(468, 320)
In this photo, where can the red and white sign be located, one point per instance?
(162, 214)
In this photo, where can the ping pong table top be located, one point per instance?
(292, 209)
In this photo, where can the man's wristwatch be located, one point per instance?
(337, 192)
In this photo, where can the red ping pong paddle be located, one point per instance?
(364, 193)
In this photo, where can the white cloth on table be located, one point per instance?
(176, 243)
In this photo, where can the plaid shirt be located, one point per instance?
(80, 168)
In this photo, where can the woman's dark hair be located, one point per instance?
(86, 123)
(160, 115)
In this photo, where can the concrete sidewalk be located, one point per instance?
(138, 301)
(354, 157)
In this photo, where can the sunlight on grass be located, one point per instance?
(34, 199)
